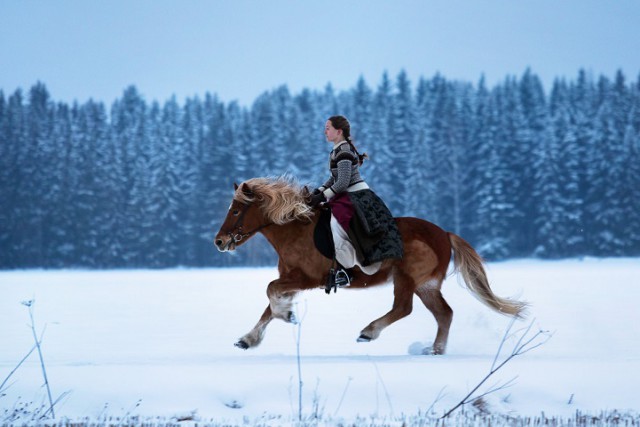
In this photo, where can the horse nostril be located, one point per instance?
(218, 242)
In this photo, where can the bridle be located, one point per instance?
(236, 234)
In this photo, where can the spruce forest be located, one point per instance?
(516, 170)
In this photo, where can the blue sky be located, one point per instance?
(240, 48)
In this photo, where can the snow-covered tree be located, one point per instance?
(403, 142)
(129, 136)
(382, 144)
(605, 197)
(509, 169)
(495, 205)
(528, 140)
(558, 200)
(14, 176)
(479, 148)
(361, 116)
(420, 163)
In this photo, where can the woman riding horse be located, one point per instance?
(364, 231)
(277, 208)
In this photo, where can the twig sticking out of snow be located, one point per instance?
(525, 344)
(344, 393)
(29, 305)
(381, 381)
(439, 397)
(298, 325)
(40, 413)
(2, 386)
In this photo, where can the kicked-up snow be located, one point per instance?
(160, 343)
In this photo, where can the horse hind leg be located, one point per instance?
(402, 307)
(430, 295)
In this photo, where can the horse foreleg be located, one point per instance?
(402, 306)
(255, 336)
(281, 293)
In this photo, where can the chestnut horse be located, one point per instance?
(276, 207)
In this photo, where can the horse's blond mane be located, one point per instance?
(282, 199)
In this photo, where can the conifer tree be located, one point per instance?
(512, 171)
(38, 166)
(513, 144)
(7, 176)
(477, 163)
(557, 195)
(605, 198)
(420, 162)
(309, 156)
(361, 118)
(442, 144)
(402, 143)
(527, 142)
(465, 158)
(495, 204)
(382, 145)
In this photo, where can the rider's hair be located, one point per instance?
(341, 122)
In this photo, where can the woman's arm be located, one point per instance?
(327, 184)
(342, 181)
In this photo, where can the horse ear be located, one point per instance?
(244, 188)
(305, 191)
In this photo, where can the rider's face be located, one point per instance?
(333, 135)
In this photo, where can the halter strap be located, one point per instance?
(236, 233)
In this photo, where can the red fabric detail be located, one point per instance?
(342, 209)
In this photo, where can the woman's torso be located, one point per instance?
(337, 159)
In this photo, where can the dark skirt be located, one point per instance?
(371, 227)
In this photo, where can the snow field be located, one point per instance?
(160, 343)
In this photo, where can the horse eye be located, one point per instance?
(235, 212)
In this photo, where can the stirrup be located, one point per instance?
(337, 279)
(331, 282)
(342, 278)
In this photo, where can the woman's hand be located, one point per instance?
(316, 198)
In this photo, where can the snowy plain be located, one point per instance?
(160, 343)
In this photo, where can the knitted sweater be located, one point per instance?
(344, 166)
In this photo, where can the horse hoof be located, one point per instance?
(363, 338)
(432, 351)
(241, 344)
(291, 318)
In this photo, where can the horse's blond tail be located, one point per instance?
(467, 261)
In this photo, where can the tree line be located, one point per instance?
(516, 171)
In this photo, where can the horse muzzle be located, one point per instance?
(225, 244)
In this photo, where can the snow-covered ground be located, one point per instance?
(160, 343)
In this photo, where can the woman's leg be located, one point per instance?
(345, 252)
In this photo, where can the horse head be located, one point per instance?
(243, 220)
(259, 203)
